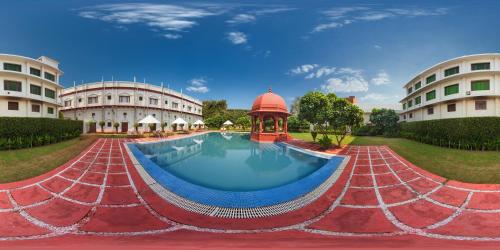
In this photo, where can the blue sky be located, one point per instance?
(236, 50)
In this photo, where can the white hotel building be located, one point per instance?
(29, 87)
(467, 86)
(126, 103)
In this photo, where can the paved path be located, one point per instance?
(379, 196)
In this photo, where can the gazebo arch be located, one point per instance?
(267, 111)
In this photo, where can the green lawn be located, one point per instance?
(22, 164)
(461, 165)
(308, 137)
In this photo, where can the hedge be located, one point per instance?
(473, 133)
(26, 132)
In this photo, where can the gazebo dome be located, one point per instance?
(269, 102)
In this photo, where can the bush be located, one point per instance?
(325, 142)
(314, 134)
(26, 132)
(472, 133)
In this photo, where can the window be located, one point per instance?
(430, 111)
(92, 100)
(480, 66)
(109, 124)
(50, 110)
(452, 107)
(35, 72)
(430, 79)
(125, 115)
(450, 90)
(451, 71)
(430, 95)
(189, 108)
(12, 67)
(140, 98)
(418, 85)
(409, 90)
(93, 115)
(404, 106)
(480, 85)
(175, 105)
(153, 101)
(13, 106)
(410, 103)
(12, 85)
(124, 99)
(67, 103)
(480, 104)
(50, 93)
(166, 102)
(411, 115)
(109, 97)
(35, 89)
(50, 76)
(35, 108)
(418, 100)
(79, 99)
(404, 117)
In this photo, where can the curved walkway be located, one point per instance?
(379, 195)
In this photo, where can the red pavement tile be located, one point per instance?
(4, 201)
(407, 175)
(56, 184)
(449, 196)
(116, 169)
(491, 187)
(381, 169)
(472, 224)
(362, 169)
(102, 160)
(71, 173)
(30, 195)
(123, 219)
(366, 220)
(116, 160)
(355, 196)
(84, 193)
(101, 168)
(81, 165)
(378, 161)
(396, 194)
(485, 201)
(119, 196)
(93, 178)
(59, 212)
(117, 180)
(362, 181)
(422, 185)
(398, 166)
(386, 180)
(421, 213)
(13, 224)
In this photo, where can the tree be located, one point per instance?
(295, 124)
(163, 125)
(101, 124)
(244, 122)
(385, 121)
(295, 107)
(344, 117)
(213, 107)
(315, 108)
(215, 121)
(116, 125)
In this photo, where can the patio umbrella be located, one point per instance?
(199, 123)
(149, 120)
(179, 121)
(227, 123)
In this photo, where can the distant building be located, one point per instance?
(368, 107)
(30, 87)
(467, 86)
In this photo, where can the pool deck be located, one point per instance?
(380, 200)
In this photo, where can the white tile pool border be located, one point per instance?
(239, 212)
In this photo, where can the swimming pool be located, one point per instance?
(228, 170)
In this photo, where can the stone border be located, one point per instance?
(226, 212)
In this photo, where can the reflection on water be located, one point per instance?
(230, 161)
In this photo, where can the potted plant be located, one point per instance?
(101, 124)
(174, 127)
(152, 127)
(116, 125)
(136, 127)
(163, 125)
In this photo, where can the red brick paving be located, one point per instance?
(100, 195)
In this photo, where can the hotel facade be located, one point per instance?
(126, 103)
(467, 86)
(30, 87)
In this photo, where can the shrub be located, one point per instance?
(174, 127)
(472, 133)
(116, 125)
(26, 132)
(366, 130)
(325, 142)
(101, 124)
(314, 134)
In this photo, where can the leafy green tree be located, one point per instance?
(163, 125)
(215, 121)
(344, 117)
(315, 108)
(101, 124)
(244, 122)
(296, 125)
(385, 121)
(295, 107)
(213, 107)
(116, 125)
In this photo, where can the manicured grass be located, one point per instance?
(22, 164)
(307, 137)
(453, 164)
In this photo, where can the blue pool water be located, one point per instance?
(232, 162)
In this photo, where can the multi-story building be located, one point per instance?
(127, 103)
(467, 86)
(30, 87)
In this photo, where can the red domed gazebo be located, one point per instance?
(269, 118)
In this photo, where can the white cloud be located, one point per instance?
(376, 46)
(242, 18)
(302, 69)
(346, 80)
(382, 78)
(272, 10)
(159, 17)
(341, 16)
(198, 85)
(237, 37)
(375, 97)
(320, 72)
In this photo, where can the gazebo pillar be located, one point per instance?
(285, 125)
(261, 120)
(276, 125)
